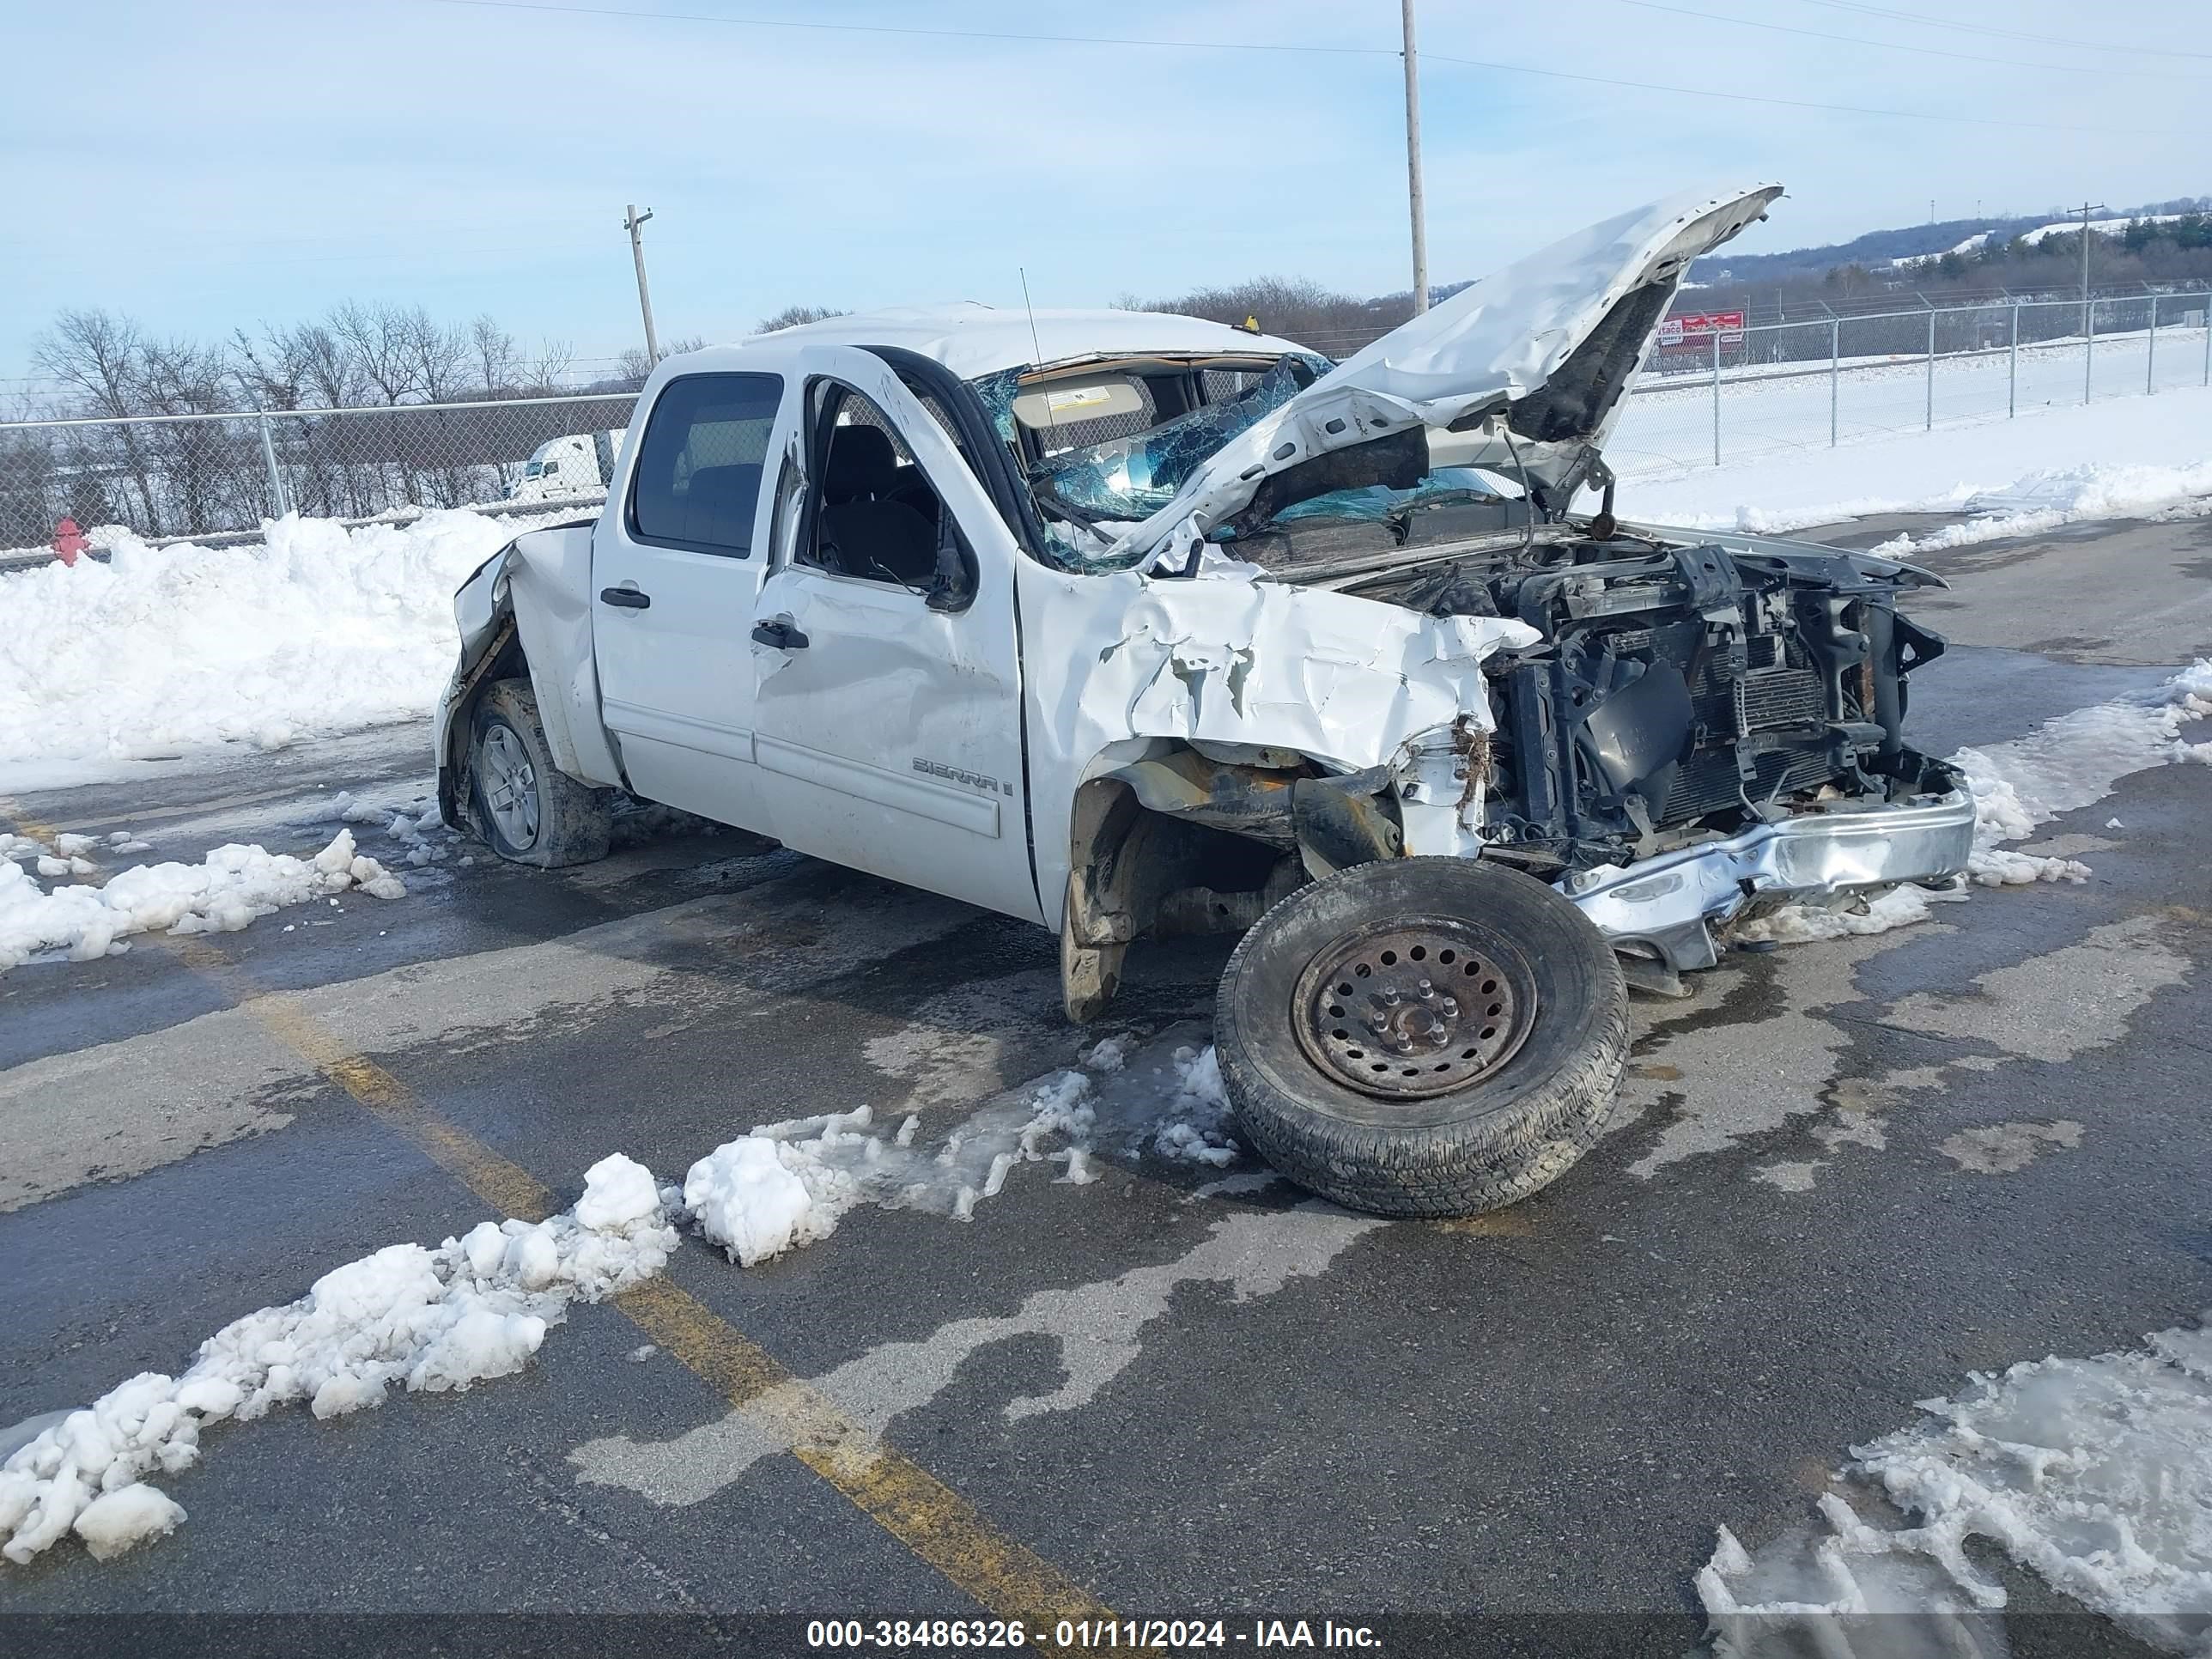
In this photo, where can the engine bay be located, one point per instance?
(1679, 692)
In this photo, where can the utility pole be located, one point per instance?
(1414, 164)
(2084, 210)
(634, 221)
(2088, 316)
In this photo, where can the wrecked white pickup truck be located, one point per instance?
(1131, 624)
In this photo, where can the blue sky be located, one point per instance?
(205, 163)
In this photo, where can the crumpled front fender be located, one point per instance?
(1118, 663)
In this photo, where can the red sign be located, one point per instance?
(1697, 325)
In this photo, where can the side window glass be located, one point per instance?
(874, 515)
(698, 476)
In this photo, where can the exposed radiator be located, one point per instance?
(1778, 697)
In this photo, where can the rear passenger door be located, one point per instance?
(677, 563)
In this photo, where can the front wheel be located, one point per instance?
(1426, 1036)
(528, 809)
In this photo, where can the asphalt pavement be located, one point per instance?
(1136, 1395)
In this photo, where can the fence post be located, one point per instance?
(2088, 346)
(1835, 371)
(2012, 366)
(2150, 353)
(269, 455)
(1716, 397)
(1928, 424)
(2208, 337)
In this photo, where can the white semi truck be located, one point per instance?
(579, 464)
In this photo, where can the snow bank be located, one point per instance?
(320, 629)
(2068, 763)
(2095, 1473)
(219, 895)
(477, 1307)
(2121, 457)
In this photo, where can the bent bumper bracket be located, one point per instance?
(1669, 905)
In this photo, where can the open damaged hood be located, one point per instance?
(1546, 347)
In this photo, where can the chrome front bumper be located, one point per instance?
(1671, 904)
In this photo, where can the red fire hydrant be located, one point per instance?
(69, 541)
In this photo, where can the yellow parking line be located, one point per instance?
(910, 1503)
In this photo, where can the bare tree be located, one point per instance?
(494, 353)
(378, 340)
(100, 355)
(332, 375)
(792, 316)
(272, 372)
(548, 364)
(96, 353)
(212, 470)
(440, 355)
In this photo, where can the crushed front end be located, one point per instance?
(1704, 732)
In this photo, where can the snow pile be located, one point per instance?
(318, 629)
(1196, 1128)
(787, 1184)
(221, 895)
(2095, 1473)
(475, 1307)
(2125, 455)
(2044, 500)
(415, 820)
(742, 1198)
(2018, 786)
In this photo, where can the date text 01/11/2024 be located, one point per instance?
(1073, 1634)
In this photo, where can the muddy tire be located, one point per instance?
(526, 809)
(1425, 1037)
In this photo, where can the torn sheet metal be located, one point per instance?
(1669, 904)
(1500, 342)
(1132, 659)
(542, 579)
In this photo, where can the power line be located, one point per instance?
(911, 30)
(1799, 103)
(1271, 46)
(1894, 46)
(1994, 33)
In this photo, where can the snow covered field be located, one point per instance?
(1772, 410)
(2122, 458)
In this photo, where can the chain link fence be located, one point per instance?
(1770, 389)
(1781, 388)
(196, 476)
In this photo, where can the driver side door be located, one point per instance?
(886, 701)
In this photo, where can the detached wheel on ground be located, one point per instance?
(1426, 1036)
(528, 809)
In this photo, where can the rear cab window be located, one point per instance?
(697, 481)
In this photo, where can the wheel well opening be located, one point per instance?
(1193, 839)
(503, 659)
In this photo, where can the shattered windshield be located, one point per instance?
(1088, 492)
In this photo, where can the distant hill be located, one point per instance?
(1879, 248)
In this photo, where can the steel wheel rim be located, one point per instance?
(1413, 1007)
(510, 787)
